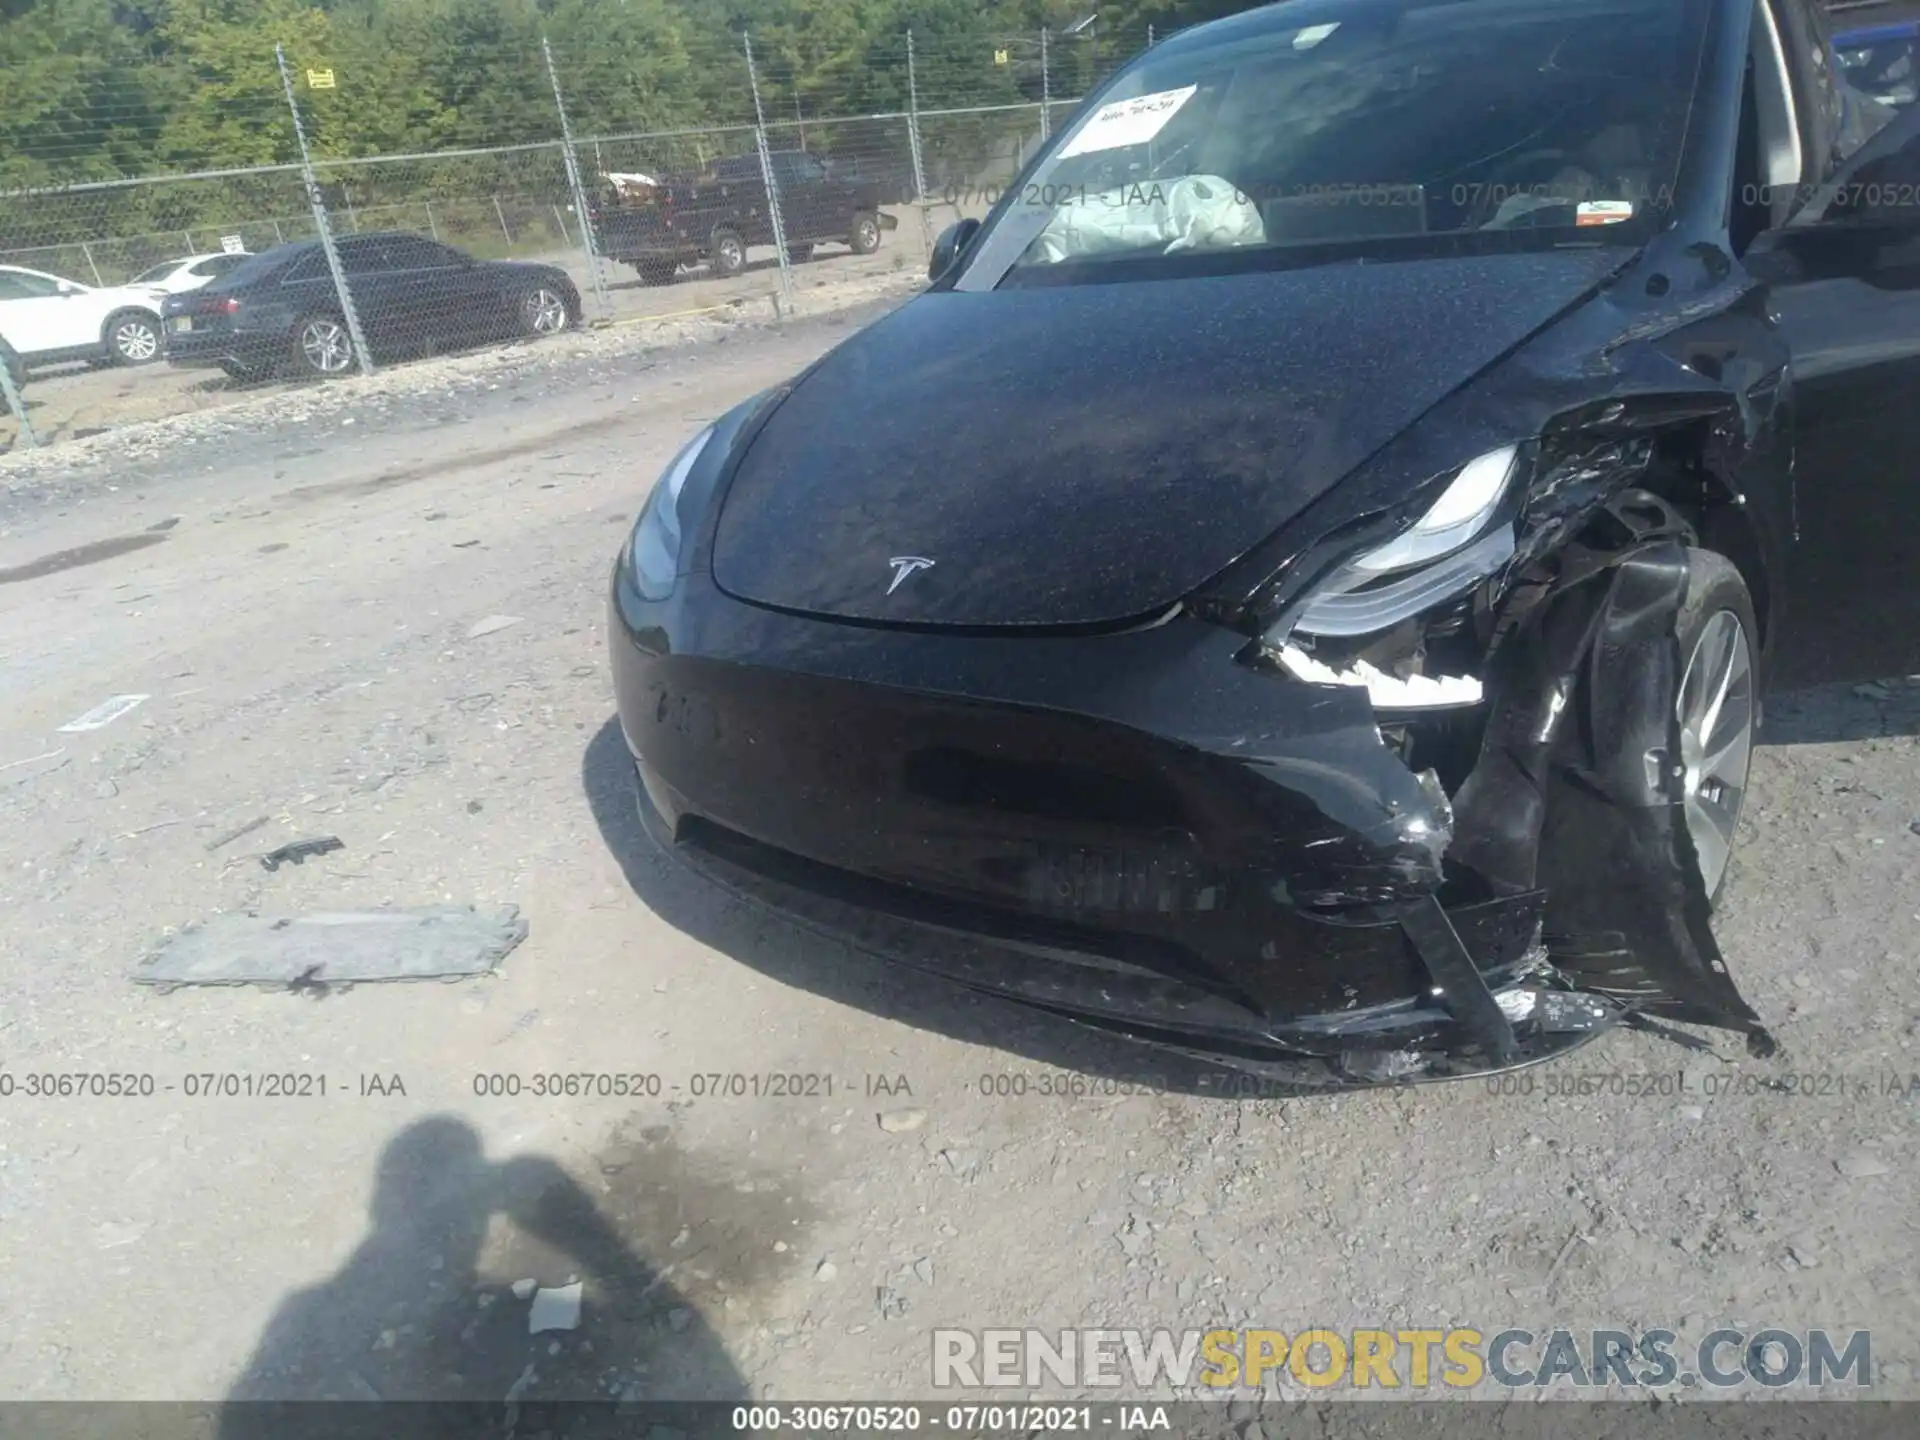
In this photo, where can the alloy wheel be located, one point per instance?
(1716, 713)
(867, 235)
(327, 346)
(545, 312)
(135, 341)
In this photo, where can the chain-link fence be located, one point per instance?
(316, 262)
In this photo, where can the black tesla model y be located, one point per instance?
(1297, 586)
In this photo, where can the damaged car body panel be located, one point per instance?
(1435, 777)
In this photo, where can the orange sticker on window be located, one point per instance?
(1603, 212)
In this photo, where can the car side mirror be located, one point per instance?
(947, 248)
(1878, 187)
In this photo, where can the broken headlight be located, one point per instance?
(1446, 552)
(653, 551)
(1356, 625)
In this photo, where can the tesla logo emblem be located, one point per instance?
(905, 565)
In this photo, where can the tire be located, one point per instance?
(865, 238)
(799, 254)
(322, 347)
(543, 311)
(1719, 641)
(728, 253)
(657, 272)
(131, 337)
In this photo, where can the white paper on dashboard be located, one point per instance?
(1128, 122)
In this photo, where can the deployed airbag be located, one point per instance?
(1195, 212)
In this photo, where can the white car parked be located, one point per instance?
(191, 272)
(48, 320)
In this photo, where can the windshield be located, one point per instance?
(1341, 124)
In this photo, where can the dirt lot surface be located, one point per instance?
(309, 593)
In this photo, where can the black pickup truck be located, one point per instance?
(714, 216)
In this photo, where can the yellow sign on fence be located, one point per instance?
(320, 80)
(999, 57)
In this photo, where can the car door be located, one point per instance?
(384, 317)
(744, 203)
(1844, 288)
(432, 289)
(796, 205)
(47, 313)
(823, 215)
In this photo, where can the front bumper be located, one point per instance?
(1134, 830)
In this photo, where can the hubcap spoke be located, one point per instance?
(1715, 710)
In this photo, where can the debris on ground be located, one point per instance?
(104, 714)
(492, 624)
(557, 1308)
(232, 835)
(295, 852)
(898, 1122)
(339, 947)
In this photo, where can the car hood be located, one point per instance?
(1084, 454)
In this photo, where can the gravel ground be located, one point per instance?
(299, 584)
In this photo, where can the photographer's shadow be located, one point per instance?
(411, 1316)
(794, 955)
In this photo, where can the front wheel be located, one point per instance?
(543, 311)
(1717, 706)
(133, 338)
(322, 346)
(865, 238)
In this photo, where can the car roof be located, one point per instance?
(43, 274)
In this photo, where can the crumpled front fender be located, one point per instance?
(1577, 791)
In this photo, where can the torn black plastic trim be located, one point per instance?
(1577, 791)
(1458, 983)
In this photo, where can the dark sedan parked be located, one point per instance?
(281, 309)
(1299, 585)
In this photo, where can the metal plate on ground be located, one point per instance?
(337, 947)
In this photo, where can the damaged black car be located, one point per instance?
(1299, 586)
